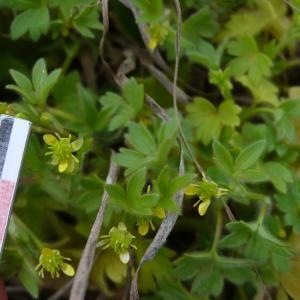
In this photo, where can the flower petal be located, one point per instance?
(67, 269)
(203, 206)
(63, 166)
(124, 257)
(122, 226)
(50, 139)
(143, 228)
(76, 145)
(192, 190)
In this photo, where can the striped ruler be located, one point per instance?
(13, 138)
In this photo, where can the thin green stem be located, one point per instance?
(71, 53)
(262, 215)
(257, 196)
(63, 114)
(218, 231)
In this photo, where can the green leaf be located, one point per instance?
(152, 273)
(180, 182)
(134, 94)
(205, 54)
(259, 243)
(209, 271)
(86, 20)
(244, 22)
(141, 139)
(39, 73)
(209, 282)
(21, 80)
(223, 157)
(228, 113)
(29, 280)
(152, 10)
(252, 175)
(249, 155)
(50, 82)
(116, 193)
(208, 120)
(126, 108)
(34, 21)
(168, 185)
(278, 174)
(201, 24)
(37, 91)
(136, 183)
(289, 204)
(248, 59)
(263, 91)
(239, 234)
(133, 201)
(149, 150)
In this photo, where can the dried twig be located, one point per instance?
(86, 261)
(164, 80)
(104, 4)
(59, 293)
(156, 108)
(175, 79)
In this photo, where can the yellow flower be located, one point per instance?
(158, 33)
(53, 262)
(143, 225)
(205, 190)
(61, 150)
(119, 239)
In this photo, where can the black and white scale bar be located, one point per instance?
(5, 132)
(14, 133)
(13, 138)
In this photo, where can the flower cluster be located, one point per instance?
(205, 190)
(53, 262)
(61, 150)
(120, 240)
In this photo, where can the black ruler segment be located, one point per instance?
(6, 126)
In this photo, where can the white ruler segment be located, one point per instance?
(14, 133)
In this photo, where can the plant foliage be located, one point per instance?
(90, 89)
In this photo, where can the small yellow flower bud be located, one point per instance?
(282, 233)
(143, 227)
